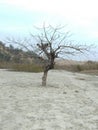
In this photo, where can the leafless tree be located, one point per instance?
(52, 44)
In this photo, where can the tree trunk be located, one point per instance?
(44, 78)
(46, 69)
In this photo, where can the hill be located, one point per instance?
(16, 55)
(19, 60)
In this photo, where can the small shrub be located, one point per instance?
(79, 68)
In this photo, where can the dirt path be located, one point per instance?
(69, 102)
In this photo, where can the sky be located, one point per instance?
(18, 17)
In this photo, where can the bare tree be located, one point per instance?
(52, 44)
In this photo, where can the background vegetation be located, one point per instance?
(18, 60)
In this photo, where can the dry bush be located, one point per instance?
(27, 67)
(89, 65)
(4, 65)
(21, 67)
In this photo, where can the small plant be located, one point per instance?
(79, 68)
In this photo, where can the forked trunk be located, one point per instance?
(44, 78)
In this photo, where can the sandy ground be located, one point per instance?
(69, 102)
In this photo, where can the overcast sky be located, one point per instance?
(17, 17)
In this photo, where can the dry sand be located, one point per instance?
(69, 102)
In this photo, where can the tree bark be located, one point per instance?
(44, 78)
(46, 69)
